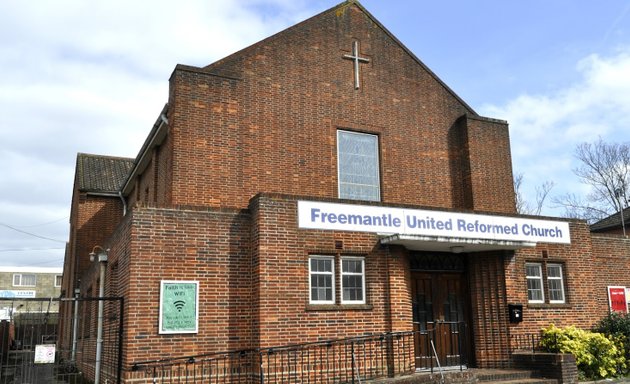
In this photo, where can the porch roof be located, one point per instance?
(452, 244)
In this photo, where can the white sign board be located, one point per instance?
(12, 293)
(386, 220)
(44, 354)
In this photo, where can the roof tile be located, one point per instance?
(96, 173)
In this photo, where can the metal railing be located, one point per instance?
(443, 344)
(349, 360)
(62, 330)
(532, 343)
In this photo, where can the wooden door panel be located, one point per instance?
(439, 311)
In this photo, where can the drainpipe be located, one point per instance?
(75, 324)
(620, 195)
(124, 202)
(101, 257)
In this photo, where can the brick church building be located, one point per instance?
(325, 184)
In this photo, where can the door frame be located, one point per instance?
(452, 340)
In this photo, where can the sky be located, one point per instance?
(92, 77)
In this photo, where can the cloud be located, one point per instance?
(545, 129)
(92, 77)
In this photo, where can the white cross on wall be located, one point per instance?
(356, 59)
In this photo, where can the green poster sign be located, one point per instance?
(178, 306)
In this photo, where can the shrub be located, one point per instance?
(596, 355)
(617, 325)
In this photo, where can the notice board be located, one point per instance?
(617, 299)
(179, 310)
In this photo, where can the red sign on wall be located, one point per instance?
(617, 299)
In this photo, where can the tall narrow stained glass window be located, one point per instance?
(358, 166)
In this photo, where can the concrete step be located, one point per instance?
(510, 377)
(467, 376)
(525, 381)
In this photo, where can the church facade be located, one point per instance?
(323, 184)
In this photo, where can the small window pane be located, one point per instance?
(534, 290)
(533, 270)
(554, 271)
(29, 280)
(352, 266)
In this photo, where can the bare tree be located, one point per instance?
(578, 208)
(605, 168)
(521, 204)
(542, 191)
(525, 207)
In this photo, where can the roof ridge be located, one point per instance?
(94, 155)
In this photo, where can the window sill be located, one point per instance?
(549, 305)
(338, 307)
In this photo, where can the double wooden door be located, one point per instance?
(440, 318)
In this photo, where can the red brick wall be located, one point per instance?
(616, 231)
(94, 219)
(152, 186)
(209, 246)
(486, 274)
(490, 165)
(583, 273)
(612, 267)
(269, 124)
(281, 255)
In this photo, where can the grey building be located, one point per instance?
(28, 282)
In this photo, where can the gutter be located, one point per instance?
(111, 194)
(156, 137)
(102, 194)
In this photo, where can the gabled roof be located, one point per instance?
(219, 68)
(103, 174)
(612, 221)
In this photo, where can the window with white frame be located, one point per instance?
(322, 279)
(533, 272)
(352, 280)
(358, 166)
(58, 280)
(546, 278)
(24, 280)
(555, 282)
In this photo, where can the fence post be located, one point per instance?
(461, 329)
(75, 325)
(121, 325)
(262, 367)
(352, 359)
(389, 350)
